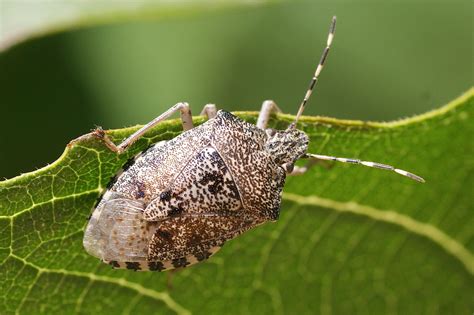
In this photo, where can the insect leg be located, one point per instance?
(300, 170)
(268, 108)
(186, 120)
(365, 163)
(209, 110)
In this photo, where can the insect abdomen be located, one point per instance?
(163, 265)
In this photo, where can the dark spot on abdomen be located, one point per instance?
(114, 264)
(202, 256)
(156, 266)
(133, 265)
(180, 262)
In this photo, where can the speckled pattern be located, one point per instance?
(177, 203)
(205, 185)
(180, 236)
(259, 179)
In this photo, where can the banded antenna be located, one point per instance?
(365, 163)
(312, 84)
(319, 68)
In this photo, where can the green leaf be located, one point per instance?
(350, 239)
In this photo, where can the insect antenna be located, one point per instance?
(365, 163)
(319, 68)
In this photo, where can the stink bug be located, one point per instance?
(178, 202)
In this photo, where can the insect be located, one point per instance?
(178, 202)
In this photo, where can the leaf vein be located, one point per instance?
(51, 201)
(122, 282)
(432, 233)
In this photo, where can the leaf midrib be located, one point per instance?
(428, 231)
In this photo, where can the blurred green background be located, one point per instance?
(389, 60)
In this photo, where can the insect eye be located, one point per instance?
(270, 132)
